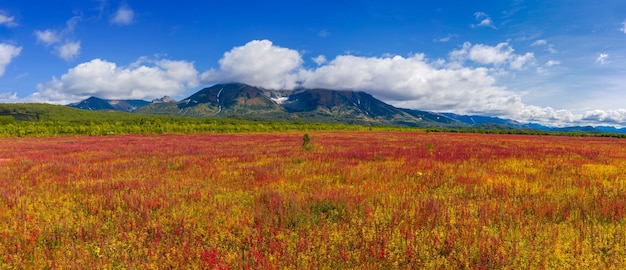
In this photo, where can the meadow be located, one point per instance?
(344, 199)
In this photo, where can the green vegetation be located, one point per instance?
(45, 120)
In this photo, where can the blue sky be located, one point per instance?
(550, 62)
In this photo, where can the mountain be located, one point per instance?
(433, 116)
(233, 98)
(357, 107)
(98, 104)
(322, 105)
(221, 100)
(611, 129)
(482, 120)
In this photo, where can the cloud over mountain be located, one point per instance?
(258, 63)
(144, 79)
(465, 82)
(412, 82)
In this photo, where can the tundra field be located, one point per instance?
(347, 199)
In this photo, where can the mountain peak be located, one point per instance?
(164, 99)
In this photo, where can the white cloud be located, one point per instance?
(552, 63)
(603, 58)
(123, 16)
(546, 115)
(47, 36)
(320, 59)
(7, 53)
(71, 24)
(519, 62)
(544, 68)
(484, 20)
(486, 54)
(412, 82)
(611, 116)
(623, 29)
(445, 39)
(69, 50)
(539, 42)
(146, 79)
(7, 20)
(9, 98)
(543, 42)
(258, 63)
(499, 55)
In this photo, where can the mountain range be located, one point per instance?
(320, 105)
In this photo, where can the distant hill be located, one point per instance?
(44, 112)
(98, 104)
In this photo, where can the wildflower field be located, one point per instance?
(345, 199)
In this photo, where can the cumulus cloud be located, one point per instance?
(145, 79)
(486, 54)
(499, 55)
(611, 116)
(412, 82)
(258, 63)
(123, 16)
(623, 29)
(483, 20)
(603, 58)
(7, 53)
(69, 50)
(546, 115)
(7, 20)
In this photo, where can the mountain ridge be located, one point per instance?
(322, 105)
(97, 104)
